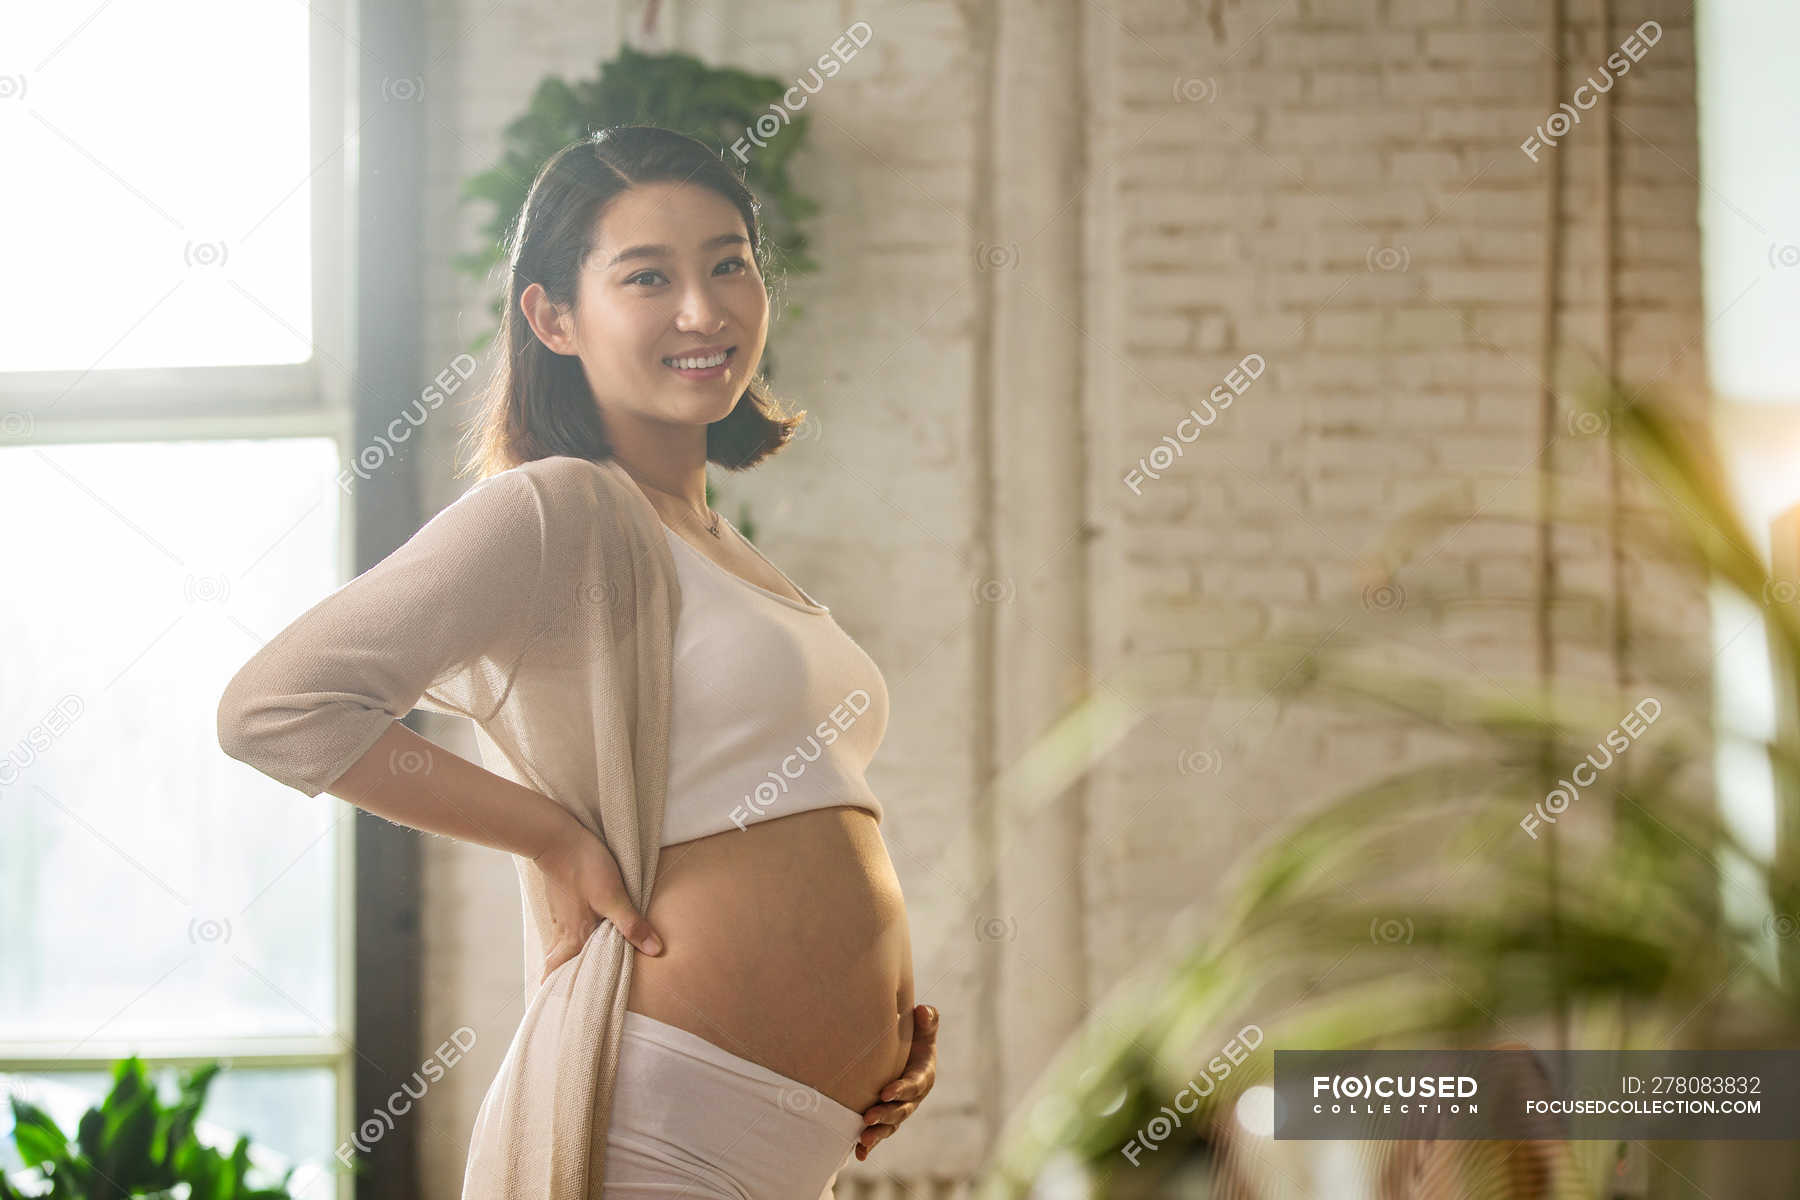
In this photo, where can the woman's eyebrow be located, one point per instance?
(660, 251)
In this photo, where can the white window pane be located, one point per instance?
(1751, 238)
(150, 885)
(159, 207)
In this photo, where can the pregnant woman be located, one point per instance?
(673, 733)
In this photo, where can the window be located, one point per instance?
(1750, 251)
(1751, 256)
(157, 896)
(167, 148)
(173, 421)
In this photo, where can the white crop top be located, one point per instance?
(775, 710)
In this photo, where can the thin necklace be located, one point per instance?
(711, 524)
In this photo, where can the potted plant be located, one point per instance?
(131, 1144)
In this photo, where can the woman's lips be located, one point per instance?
(701, 372)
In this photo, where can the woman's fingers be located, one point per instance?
(605, 891)
(584, 887)
(920, 1072)
(889, 1114)
(902, 1096)
(637, 930)
(561, 952)
(567, 947)
(633, 925)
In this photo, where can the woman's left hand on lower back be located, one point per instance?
(903, 1094)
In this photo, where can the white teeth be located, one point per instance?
(697, 364)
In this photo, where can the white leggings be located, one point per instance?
(692, 1119)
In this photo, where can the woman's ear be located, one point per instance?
(548, 321)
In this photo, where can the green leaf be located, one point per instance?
(38, 1138)
(125, 1153)
(132, 1145)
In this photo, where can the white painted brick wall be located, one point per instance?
(1438, 363)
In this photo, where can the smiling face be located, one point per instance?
(671, 276)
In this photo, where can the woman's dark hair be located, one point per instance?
(538, 403)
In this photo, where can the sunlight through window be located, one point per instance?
(176, 137)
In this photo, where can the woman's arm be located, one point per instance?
(415, 782)
(452, 611)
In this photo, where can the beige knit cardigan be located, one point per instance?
(541, 604)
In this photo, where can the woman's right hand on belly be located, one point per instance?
(583, 886)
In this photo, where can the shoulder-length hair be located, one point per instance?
(537, 402)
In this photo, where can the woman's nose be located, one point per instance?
(701, 313)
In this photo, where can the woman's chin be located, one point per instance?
(687, 408)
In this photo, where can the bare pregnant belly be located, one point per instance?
(786, 943)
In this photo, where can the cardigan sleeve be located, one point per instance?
(444, 619)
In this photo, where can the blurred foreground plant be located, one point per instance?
(1445, 905)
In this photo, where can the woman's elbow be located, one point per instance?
(256, 724)
(303, 737)
(241, 720)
